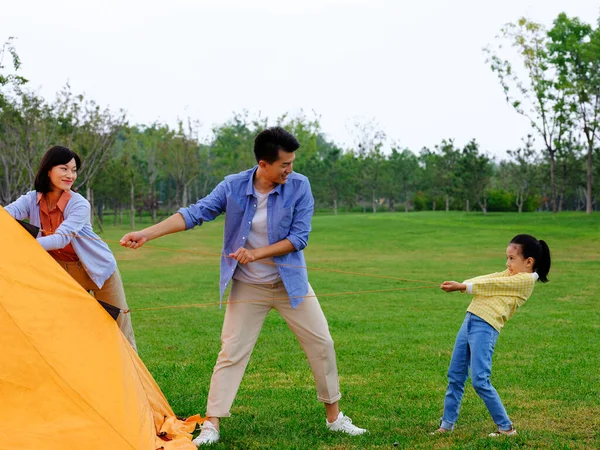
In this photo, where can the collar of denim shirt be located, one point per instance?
(250, 187)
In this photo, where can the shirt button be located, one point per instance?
(244, 237)
(255, 205)
(250, 222)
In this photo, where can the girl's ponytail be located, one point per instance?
(543, 265)
(538, 250)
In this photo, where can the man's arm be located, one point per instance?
(203, 210)
(301, 223)
(136, 239)
(297, 238)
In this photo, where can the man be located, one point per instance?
(268, 213)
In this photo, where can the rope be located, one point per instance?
(192, 252)
(198, 305)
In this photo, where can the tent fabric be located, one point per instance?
(68, 377)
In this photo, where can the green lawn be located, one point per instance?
(393, 348)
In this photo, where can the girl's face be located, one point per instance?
(515, 263)
(63, 176)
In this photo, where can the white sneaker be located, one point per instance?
(499, 433)
(344, 425)
(208, 435)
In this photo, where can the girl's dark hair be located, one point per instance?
(269, 141)
(538, 250)
(56, 156)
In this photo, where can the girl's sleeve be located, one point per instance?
(489, 275)
(78, 217)
(519, 285)
(19, 209)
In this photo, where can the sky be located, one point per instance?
(415, 69)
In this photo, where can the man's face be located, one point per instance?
(279, 171)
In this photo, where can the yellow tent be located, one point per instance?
(68, 377)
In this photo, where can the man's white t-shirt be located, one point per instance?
(256, 272)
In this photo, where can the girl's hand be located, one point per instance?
(451, 286)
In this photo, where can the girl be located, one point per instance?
(62, 214)
(496, 298)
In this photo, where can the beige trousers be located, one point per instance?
(242, 324)
(112, 292)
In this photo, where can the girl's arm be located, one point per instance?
(451, 286)
(519, 285)
(489, 275)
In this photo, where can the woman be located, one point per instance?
(66, 233)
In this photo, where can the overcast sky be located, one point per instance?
(415, 67)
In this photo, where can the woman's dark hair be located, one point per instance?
(56, 156)
(538, 250)
(269, 141)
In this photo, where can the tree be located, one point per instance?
(329, 179)
(569, 165)
(130, 155)
(536, 94)
(27, 128)
(521, 173)
(404, 168)
(9, 79)
(16, 108)
(432, 167)
(447, 170)
(231, 148)
(369, 140)
(575, 51)
(88, 129)
(475, 171)
(180, 154)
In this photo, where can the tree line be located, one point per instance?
(552, 77)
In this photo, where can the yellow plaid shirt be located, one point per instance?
(498, 295)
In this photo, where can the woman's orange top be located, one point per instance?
(51, 220)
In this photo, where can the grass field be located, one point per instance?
(393, 348)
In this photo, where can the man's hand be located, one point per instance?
(243, 255)
(451, 286)
(134, 239)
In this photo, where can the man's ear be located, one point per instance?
(262, 164)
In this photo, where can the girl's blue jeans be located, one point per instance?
(473, 348)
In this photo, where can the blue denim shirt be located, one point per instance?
(97, 259)
(289, 212)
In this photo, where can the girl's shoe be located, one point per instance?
(440, 430)
(499, 433)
